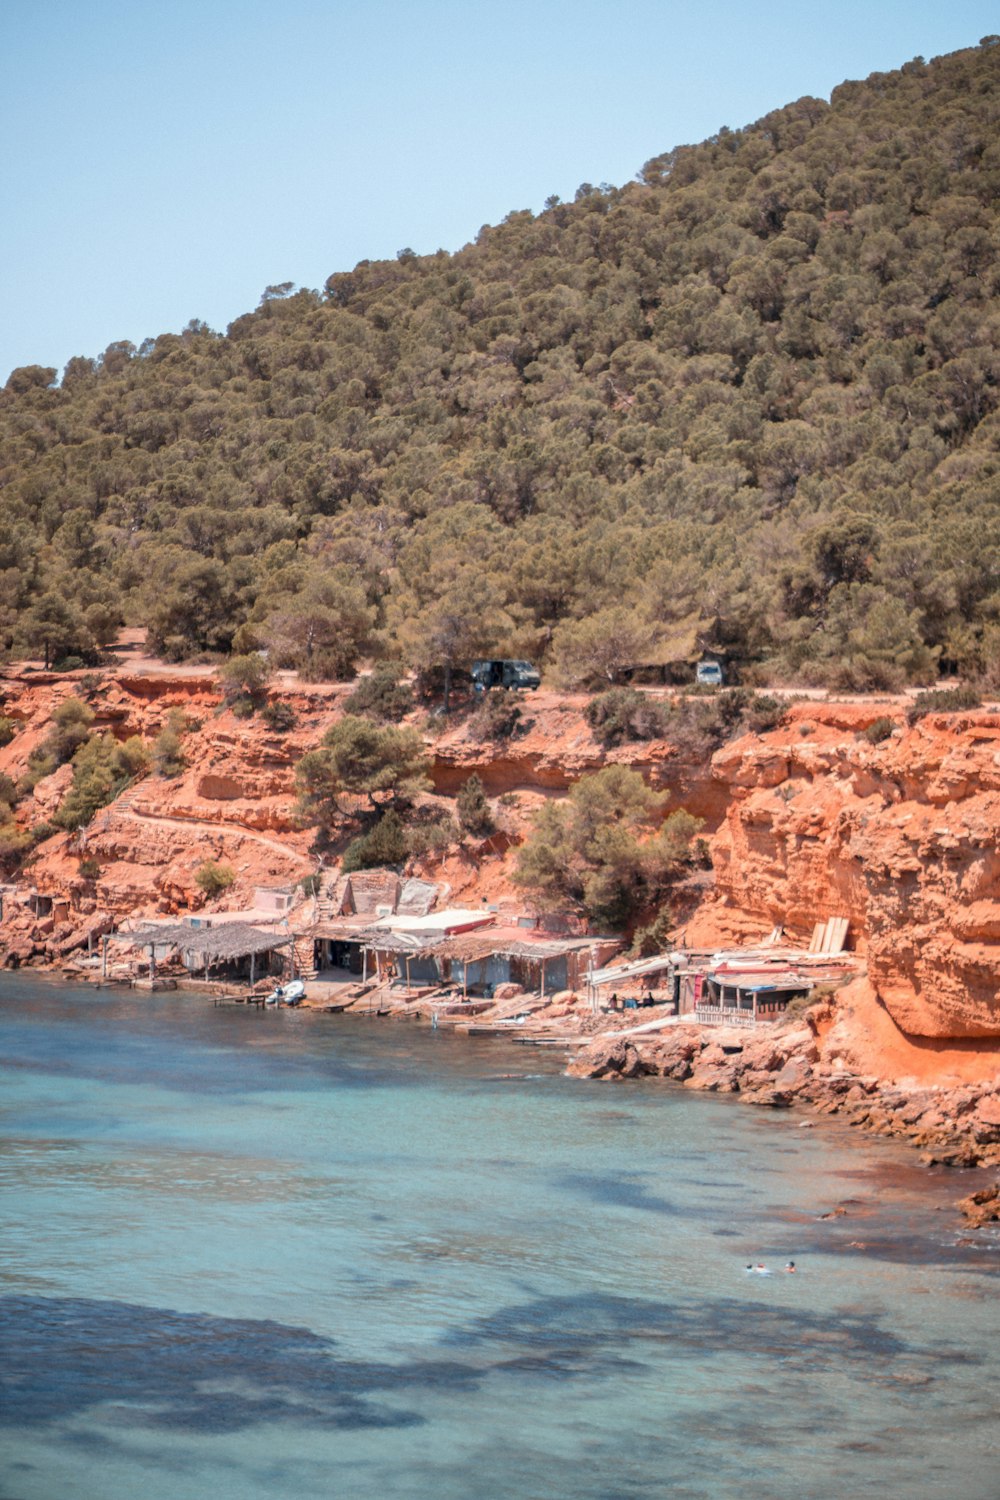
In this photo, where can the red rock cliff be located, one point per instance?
(806, 822)
(900, 836)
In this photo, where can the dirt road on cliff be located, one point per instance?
(215, 826)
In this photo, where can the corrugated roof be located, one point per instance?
(377, 940)
(757, 979)
(452, 919)
(617, 973)
(511, 943)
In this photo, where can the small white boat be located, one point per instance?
(287, 994)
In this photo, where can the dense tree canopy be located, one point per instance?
(748, 401)
(605, 849)
(378, 764)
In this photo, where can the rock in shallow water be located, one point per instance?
(609, 1059)
(982, 1207)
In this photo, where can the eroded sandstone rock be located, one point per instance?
(982, 1207)
(607, 1059)
(901, 836)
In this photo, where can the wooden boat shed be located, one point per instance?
(743, 995)
(477, 959)
(209, 947)
(542, 964)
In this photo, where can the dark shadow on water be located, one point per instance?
(585, 1326)
(152, 1367)
(617, 1192)
(158, 1368)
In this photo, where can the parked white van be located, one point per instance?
(709, 673)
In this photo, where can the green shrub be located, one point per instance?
(498, 717)
(8, 729)
(101, 770)
(68, 664)
(654, 937)
(15, 842)
(800, 1004)
(675, 842)
(701, 724)
(214, 878)
(381, 696)
(70, 729)
(358, 758)
(133, 755)
(244, 679)
(623, 716)
(944, 701)
(474, 813)
(604, 850)
(89, 869)
(279, 716)
(431, 833)
(309, 885)
(39, 766)
(880, 730)
(8, 791)
(385, 844)
(243, 708)
(168, 755)
(761, 713)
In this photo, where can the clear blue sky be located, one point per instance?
(167, 161)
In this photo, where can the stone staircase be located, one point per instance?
(103, 820)
(304, 952)
(325, 906)
(330, 897)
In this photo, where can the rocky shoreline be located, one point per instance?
(782, 1066)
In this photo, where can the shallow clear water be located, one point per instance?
(264, 1255)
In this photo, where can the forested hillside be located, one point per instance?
(747, 401)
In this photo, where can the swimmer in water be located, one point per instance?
(790, 1266)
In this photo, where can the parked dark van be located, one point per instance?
(506, 673)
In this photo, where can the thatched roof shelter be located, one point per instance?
(472, 946)
(220, 943)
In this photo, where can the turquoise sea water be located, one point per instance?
(278, 1255)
